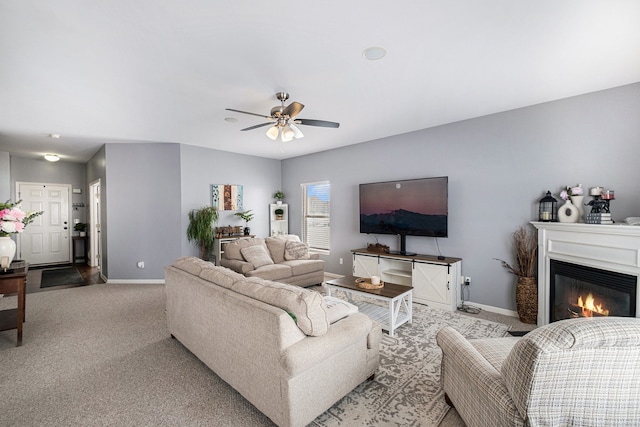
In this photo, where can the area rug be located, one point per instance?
(61, 276)
(406, 390)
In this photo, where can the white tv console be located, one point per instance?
(436, 282)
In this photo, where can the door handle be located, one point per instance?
(66, 228)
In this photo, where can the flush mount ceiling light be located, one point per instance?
(51, 157)
(374, 53)
(54, 136)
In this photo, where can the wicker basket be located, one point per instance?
(17, 264)
(365, 283)
(527, 300)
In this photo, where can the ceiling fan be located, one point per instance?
(284, 121)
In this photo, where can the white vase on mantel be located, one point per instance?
(568, 212)
(7, 251)
(577, 202)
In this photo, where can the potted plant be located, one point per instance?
(82, 228)
(279, 212)
(279, 196)
(200, 229)
(525, 245)
(246, 216)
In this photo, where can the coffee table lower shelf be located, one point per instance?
(395, 311)
(381, 315)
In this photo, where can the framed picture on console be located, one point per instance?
(226, 197)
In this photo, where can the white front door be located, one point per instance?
(47, 239)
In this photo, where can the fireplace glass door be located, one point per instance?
(580, 291)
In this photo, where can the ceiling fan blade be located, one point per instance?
(293, 109)
(246, 112)
(258, 126)
(321, 123)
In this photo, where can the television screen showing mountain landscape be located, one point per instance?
(410, 207)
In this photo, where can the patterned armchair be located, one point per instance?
(577, 372)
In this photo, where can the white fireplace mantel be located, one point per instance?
(606, 247)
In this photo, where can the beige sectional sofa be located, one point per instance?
(576, 372)
(244, 330)
(282, 258)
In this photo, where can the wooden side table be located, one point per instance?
(11, 283)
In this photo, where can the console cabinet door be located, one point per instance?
(365, 265)
(431, 283)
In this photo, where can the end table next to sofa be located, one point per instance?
(398, 299)
(10, 283)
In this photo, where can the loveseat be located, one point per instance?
(281, 258)
(277, 344)
(576, 372)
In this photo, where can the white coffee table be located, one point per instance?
(395, 312)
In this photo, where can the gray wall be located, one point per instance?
(5, 176)
(143, 210)
(499, 166)
(202, 167)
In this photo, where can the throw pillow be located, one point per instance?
(295, 250)
(256, 255)
(338, 309)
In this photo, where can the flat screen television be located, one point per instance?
(412, 207)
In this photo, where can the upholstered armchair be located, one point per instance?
(577, 372)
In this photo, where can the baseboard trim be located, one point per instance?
(135, 281)
(493, 309)
(332, 275)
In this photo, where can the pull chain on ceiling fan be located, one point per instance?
(284, 120)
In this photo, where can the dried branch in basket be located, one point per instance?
(525, 243)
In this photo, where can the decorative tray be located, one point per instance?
(365, 283)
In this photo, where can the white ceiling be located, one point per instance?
(165, 70)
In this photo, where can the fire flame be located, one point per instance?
(589, 306)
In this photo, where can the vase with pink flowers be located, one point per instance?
(573, 209)
(12, 220)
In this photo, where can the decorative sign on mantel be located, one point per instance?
(226, 197)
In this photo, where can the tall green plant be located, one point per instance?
(200, 230)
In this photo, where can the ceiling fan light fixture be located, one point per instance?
(51, 157)
(296, 132)
(287, 133)
(272, 133)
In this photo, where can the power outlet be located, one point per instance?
(140, 264)
(341, 261)
(467, 281)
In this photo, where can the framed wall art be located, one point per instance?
(226, 197)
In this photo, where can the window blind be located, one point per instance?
(316, 229)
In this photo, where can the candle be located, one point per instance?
(595, 191)
(375, 280)
(545, 216)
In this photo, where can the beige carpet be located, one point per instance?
(102, 355)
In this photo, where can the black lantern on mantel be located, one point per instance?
(548, 209)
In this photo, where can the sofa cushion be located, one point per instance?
(192, 265)
(256, 255)
(232, 250)
(221, 276)
(271, 272)
(276, 245)
(304, 266)
(307, 306)
(295, 250)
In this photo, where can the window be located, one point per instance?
(315, 215)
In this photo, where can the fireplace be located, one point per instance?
(580, 291)
(587, 270)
